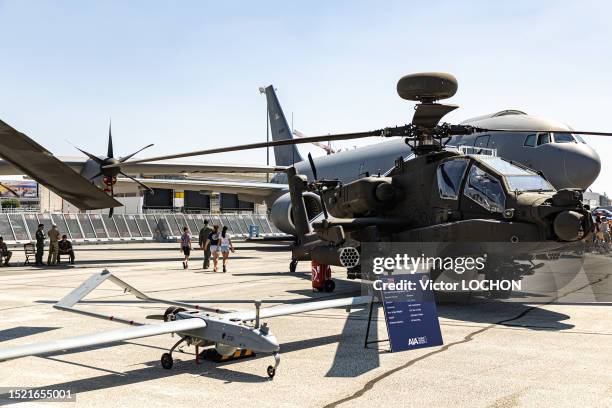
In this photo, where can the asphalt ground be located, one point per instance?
(530, 351)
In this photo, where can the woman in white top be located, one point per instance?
(226, 246)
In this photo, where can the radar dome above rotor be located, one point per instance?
(427, 86)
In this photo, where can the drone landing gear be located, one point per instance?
(272, 370)
(166, 359)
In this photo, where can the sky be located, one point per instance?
(185, 75)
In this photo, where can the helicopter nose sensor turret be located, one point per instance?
(568, 225)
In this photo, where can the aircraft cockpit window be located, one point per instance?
(528, 183)
(580, 139)
(485, 190)
(449, 177)
(543, 138)
(564, 138)
(530, 141)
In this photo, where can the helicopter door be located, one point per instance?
(482, 194)
(449, 176)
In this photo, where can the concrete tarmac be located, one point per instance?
(532, 351)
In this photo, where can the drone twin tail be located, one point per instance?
(228, 331)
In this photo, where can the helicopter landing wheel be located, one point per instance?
(293, 265)
(271, 372)
(166, 361)
(329, 285)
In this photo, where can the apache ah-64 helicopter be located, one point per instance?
(440, 194)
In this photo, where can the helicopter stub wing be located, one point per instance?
(40, 164)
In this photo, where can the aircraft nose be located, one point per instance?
(581, 165)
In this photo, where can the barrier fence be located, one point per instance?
(19, 228)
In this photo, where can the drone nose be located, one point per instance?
(581, 165)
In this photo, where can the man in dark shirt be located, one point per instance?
(4, 252)
(65, 247)
(40, 244)
(204, 233)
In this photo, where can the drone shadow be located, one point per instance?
(22, 331)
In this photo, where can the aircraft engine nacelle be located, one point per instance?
(282, 215)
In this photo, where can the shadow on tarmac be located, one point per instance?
(22, 331)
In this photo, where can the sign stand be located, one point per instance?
(367, 336)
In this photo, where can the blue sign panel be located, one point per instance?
(410, 312)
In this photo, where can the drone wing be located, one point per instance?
(38, 163)
(299, 308)
(112, 336)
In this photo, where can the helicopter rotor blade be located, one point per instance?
(396, 131)
(129, 156)
(575, 132)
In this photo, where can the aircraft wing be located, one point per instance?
(40, 164)
(160, 168)
(251, 189)
(112, 336)
(285, 310)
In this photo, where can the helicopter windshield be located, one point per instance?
(485, 190)
(449, 177)
(518, 178)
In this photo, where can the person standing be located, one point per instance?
(214, 242)
(186, 246)
(40, 244)
(226, 247)
(204, 233)
(54, 236)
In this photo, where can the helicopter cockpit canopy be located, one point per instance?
(488, 180)
(519, 179)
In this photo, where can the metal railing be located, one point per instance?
(19, 228)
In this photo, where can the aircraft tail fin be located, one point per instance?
(283, 155)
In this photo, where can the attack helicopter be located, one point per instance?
(440, 194)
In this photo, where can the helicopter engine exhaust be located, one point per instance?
(347, 257)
